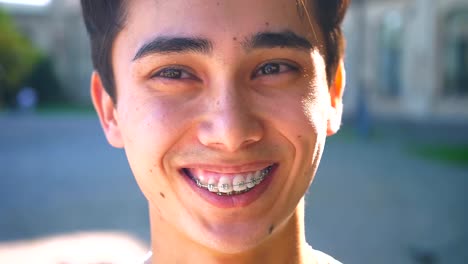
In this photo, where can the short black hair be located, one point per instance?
(330, 14)
(104, 19)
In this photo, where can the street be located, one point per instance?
(371, 201)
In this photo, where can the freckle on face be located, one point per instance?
(162, 195)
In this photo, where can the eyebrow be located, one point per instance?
(165, 45)
(284, 39)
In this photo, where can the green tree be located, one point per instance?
(44, 80)
(18, 58)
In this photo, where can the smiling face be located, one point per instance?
(222, 108)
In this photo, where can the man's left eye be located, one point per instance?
(273, 68)
(173, 73)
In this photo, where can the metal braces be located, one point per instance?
(214, 188)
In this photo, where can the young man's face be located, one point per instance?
(232, 94)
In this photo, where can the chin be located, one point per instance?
(235, 241)
(234, 246)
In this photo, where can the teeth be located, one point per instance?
(202, 179)
(238, 183)
(250, 181)
(229, 186)
(212, 186)
(258, 176)
(224, 185)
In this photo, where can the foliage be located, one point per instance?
(457, 154)
(44, 81)
(17, 58)
(65, 108)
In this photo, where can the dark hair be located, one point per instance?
(330, 14)
(104, 19)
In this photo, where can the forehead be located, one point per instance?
(216, 20)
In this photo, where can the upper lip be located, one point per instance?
(230, 168)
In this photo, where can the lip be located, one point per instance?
(231, 169)
(234, 201)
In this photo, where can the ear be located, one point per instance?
(106, 111)
(336, 100)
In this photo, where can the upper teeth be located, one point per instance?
(233, 185)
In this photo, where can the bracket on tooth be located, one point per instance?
(212, 187)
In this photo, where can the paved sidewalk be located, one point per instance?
(371, 202)
(376, 203)
(75, 248)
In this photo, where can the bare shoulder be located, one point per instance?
(321, 257)
(324, 258)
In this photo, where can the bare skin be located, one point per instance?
(234, 99)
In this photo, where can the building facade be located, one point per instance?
(408, 58)
(405, 58)
(57, 29)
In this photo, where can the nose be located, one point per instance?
(231, 123)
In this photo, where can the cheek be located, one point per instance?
(304, 124)
(150, 129)
(316, 101)
(314, 111)
(303, 119)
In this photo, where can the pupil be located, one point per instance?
(270, 68)
(171, 73)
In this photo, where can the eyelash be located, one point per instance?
(278, 68)
(176, 73)
(269, 68)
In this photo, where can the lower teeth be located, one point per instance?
(214, 188)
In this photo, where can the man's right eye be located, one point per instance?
(173, 73)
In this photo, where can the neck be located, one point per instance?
(286, 244)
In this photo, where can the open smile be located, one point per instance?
(228, 184)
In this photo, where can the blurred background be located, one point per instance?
(391, 187)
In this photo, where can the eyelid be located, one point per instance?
(292, 65)
(181, 68)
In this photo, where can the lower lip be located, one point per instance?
(233, 201)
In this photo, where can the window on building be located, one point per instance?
(455, 53)
(389, 59)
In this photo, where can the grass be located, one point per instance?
(455, 154)
(64, 108)
(349, 133)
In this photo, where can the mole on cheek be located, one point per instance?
(267, 23)
(162, 195)
(270, 230)
(234, 38)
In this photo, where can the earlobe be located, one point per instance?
(106, 111)
(336, 100)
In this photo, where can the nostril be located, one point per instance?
(248, 142)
